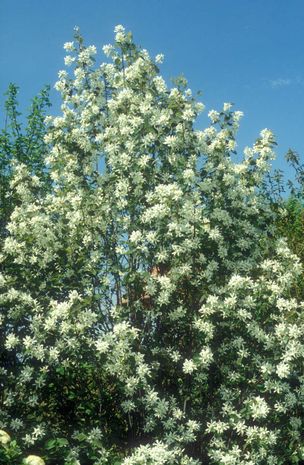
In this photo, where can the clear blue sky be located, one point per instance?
(250, 52)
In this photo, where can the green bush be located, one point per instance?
(148, 304)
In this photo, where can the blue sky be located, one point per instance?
(249, 52)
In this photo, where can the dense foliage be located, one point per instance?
(150, 303)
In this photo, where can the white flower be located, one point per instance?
(38, 432)
(170, 141)
(188, 114)
(26, 374)
(4, 437)
(237, 115)
(54, 354)
(119, 28)
(161, 88)
(199, 107)
(159, 58)
(120, 37)
(227, 106)
(68, 60)
(206, 356)
(69, 46)
(107, 49)
(135, 236)
(259, 407)
(101, 346)
(214, 116)
(94, 435)
(91, 50)
(11, 341)
(283, 370)
(33, 460)
(189, 366)
(267, 134)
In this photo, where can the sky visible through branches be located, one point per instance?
(249, 53)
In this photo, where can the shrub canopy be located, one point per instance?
(148, 313)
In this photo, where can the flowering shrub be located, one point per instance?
(145, 301)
